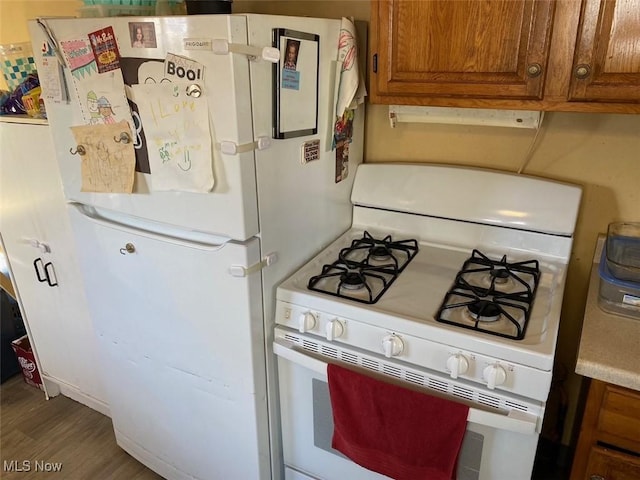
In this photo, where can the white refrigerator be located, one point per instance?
(180, 277)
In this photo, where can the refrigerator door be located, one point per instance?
(302, 208)
(230, 208)
(182, 347)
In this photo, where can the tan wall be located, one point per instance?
(15, 13)
(597, 151)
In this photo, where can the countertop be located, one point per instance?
(609, 344)
(23, 119)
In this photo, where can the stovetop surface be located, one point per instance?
(410, 305)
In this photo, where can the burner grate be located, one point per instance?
(365, 269)
(492, 296)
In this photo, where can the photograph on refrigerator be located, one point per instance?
(295, 84)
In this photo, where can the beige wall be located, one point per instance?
(15, 13)
(597, 151)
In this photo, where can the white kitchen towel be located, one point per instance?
(351, 91)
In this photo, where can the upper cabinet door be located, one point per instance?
(607, 61)
(462, 48)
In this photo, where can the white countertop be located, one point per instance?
(609, 344)
(23, 119)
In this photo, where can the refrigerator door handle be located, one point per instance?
(242, 271)
(198, 240)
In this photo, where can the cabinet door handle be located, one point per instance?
(38, 265)
(534, 69)
(582, 72)
(51, 275)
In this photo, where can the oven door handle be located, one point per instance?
(514, 421)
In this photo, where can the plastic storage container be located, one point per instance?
(617, 296)
(17, 63)
(623, 251)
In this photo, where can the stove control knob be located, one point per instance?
(392, 346)
(306, 322)
(494, 375)
(458, 365)
(334, 330)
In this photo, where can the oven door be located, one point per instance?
(495, 446)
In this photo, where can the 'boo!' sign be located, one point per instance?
(183, 68)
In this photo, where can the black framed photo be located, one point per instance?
(295, 84)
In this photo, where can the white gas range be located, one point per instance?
(451, 279)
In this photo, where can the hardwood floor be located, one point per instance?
(79, 439)
(58, 433)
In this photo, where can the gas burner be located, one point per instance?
(385, 252)
(484, 277)
(484, 311)
(499, 275)
(492, 296)
(379, 253)
(365, 269)
(352, 280)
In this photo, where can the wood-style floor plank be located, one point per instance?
(62, 431)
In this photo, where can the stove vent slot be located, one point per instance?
(308, 345)
(329, 352)
(292, 338)
(392, 371)
(414, 378)
(438, 385)
(349, 358)
(516, 406)
(462, 392)
(489, 400)
(370, 364)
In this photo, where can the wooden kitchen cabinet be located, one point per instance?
(606, 66)
(564, 55)
(609, 442)
(37, 239)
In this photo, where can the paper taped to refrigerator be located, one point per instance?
(108, 163)
(179, 142)
(100, 96)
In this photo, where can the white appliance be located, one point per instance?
(450, 279)
(181, 286)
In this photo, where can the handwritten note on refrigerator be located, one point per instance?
(176, 126)
(108, 163)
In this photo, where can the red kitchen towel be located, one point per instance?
(401, 433)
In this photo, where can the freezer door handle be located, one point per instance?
(513, 421)
(231, 148)
(220, 46)
(164, 233)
